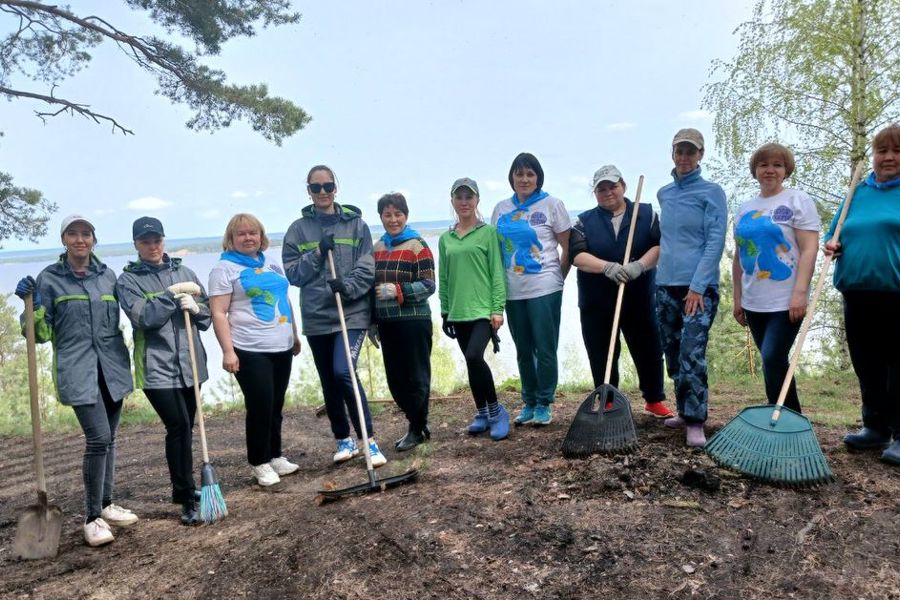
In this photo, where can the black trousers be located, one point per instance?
(263, 377)
(176, 408)
(873, 331)
(639, 326)
(774, 335)
(473, 338)
(406, 348)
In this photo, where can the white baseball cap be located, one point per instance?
(74, 219)
(606, 173)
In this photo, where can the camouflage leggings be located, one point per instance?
(684, 340)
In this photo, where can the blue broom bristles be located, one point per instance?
(212, 502)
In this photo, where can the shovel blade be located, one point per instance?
(37, 532)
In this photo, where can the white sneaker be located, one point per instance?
(118, 516)
(265, 475)
(283, 466)
(378, 459)
(346, 449)
(97, 533)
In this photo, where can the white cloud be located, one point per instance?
(580, 180)
(210, 214)
(258, 193)
(495, 185)
(102, 212)
(696, 115)
(621, 126)
(239, 194)
(148, 203)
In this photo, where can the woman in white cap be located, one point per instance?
(76, 308)
(693, 219)
(597, 248)
(154, 291)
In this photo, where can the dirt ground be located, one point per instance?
(486, 520)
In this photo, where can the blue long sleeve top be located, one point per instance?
(693, 218)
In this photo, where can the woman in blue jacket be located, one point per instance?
(693, 218)
(867, 274)
(76, 310)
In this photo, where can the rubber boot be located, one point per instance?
(189, 514)
(892, 454)
(867, 439)
(500, 424)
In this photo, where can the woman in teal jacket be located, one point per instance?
(76, 309)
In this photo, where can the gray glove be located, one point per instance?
(612, 270)
(187, 302)
(630, 272)
(385, 291)
(185, 287)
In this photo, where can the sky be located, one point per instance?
(404, 96)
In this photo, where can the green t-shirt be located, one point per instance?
(471, 280)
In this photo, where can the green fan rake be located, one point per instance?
(773, 443)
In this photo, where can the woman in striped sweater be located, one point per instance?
(404, 279)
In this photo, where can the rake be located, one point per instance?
(603, 423)
(773, 443)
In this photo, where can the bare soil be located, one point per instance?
(509, 519)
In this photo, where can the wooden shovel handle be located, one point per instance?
(36, 437)
(189, 331)
(811, 309)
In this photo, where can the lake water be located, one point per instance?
(572, 357)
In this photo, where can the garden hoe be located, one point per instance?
(603, 423)
(374, 484)
(773, 443)
(39, 527)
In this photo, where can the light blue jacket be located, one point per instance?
(693, 218)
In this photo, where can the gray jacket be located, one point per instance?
(308, 270)
(161, 357)
(80, 316)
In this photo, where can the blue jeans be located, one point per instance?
(337, 388)
(684, 340)
(774, 334)
(534, 325)
(99, 422)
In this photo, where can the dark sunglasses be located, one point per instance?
(316, 188)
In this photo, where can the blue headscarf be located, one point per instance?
(390, 241)
(243, 259)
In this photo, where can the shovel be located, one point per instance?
(39, 527)
(373, 485)
(603, 423)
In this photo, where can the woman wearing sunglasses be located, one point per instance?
(326, 226)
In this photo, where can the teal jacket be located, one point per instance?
(80, 317)
(353, 261)
(161, 357)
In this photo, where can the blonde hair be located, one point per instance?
(242, 219)
(888, 135)
(773, 151)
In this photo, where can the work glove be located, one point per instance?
(495, 340)
(373, 335)
(187, 302)
(326, 244)
(185, 287)
(448, 328)
(386, 291)
(337, 285)
(27, 286)
(611, 270)
(630, 272)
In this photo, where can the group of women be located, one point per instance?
(516, 266)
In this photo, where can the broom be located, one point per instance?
(212, 502)
(773, 443)
(603, 423)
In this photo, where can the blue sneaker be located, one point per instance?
(479, 424)
(378, 459)
(525, 416)
(499, 424)
(543, 415)
(346, 449)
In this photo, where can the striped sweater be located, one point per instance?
(409, 266)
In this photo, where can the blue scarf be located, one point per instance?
(524, 204)
(243, 259)
(881, 185)
(390, 241)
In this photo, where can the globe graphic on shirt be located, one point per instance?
(762, 247)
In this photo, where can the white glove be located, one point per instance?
(385, 291)
(630, 272)
(612, 270)
(185, 287)
(187, 302)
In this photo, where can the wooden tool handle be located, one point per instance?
(621, 292)
(811, 309)
(36, 437)
(189, 331)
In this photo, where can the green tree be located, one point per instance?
(48, 44)
(821, 75)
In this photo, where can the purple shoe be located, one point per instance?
(675, 422)
(695, 436)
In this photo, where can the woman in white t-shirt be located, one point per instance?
(533, 227)
(776, 238)
(254, 323)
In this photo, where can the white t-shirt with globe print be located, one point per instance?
(766, 240)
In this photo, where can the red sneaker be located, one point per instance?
(659, 410)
